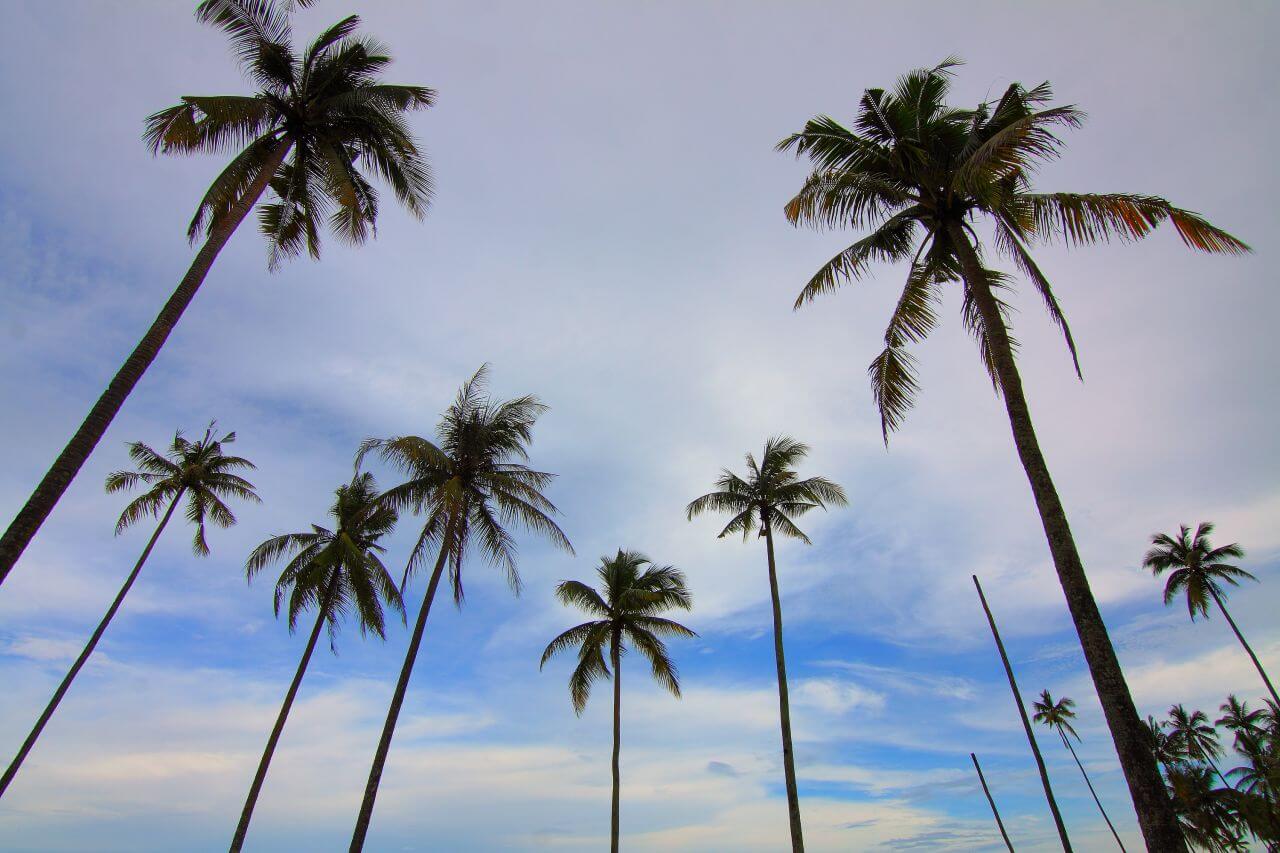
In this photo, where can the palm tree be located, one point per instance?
(335, 571)
(1198, 570)
(324, 106)
(995, 811)
(196, 470)
(633, 591)
(767, 501)
(1166, 749)
(1205, 814)
(468, 487)
(1195, 737)
(1058, 716)
(918, 168)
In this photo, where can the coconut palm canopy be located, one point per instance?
(606, 228)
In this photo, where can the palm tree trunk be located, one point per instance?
(397, 699)
(1110, 826)
(1026, 723)
(67, 464)
(30, 742)
(994, 810)
(784, 703)
(617, 738)
(1150, 799)
(1257, 663)
(242, 829)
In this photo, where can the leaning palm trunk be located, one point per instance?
(1151, 802)
(990, 799)
(617, 739)
(1072, 749)
(67, 465)
(1026, 724)
(1257, 663)
(397, 700)
(30, 742)
(784, 703)
(242, 829)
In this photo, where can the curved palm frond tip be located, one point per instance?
(633, 591)
(335, 572)
(198, 471)
(470, 485)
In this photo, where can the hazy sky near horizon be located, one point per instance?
(607, 232)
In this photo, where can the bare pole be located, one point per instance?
(1026, 723)
(994, 810)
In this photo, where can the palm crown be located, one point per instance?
(1195, 566)
(198, 470)
(914, 167)
(1057, 715)
(771, 494)
(325, 104)
(632, 591)
(1192, 735)
(473, 483)
(339, 570)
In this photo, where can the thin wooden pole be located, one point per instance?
(1026, 723)
(994, 810)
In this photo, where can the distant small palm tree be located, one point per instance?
(327, 107)
(337, 572)
(195, 470)
(1196, 737)
(1058, 716)
(766, 502)
(469, 487)
(633, 591)
(1199, 570)
(1165, 748)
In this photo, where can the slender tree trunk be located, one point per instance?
(242, 829)
(1150, 799)
(1110, 826)
(784, 703)
(1026, 723)
(67, 464)
(994, 810)
(617, 738)
(88, 650)
(1257, 663)
(397, 699)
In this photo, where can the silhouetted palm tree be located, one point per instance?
(469, 487)
(766, 502)
(337, 572)
(325, 106)
(633, 591)
(1195, 737)
(1197, 570)
(195, 470)
(922, 175)
(1058, 716)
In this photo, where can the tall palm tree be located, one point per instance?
(470, 487)
(767, 501)
(319, 124)
(1058, 716)
(922, 175)
(1199, 570)
(198, 471)
(1195, 737)
(337, 572)
(633, 591)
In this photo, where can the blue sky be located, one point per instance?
(608, 233)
